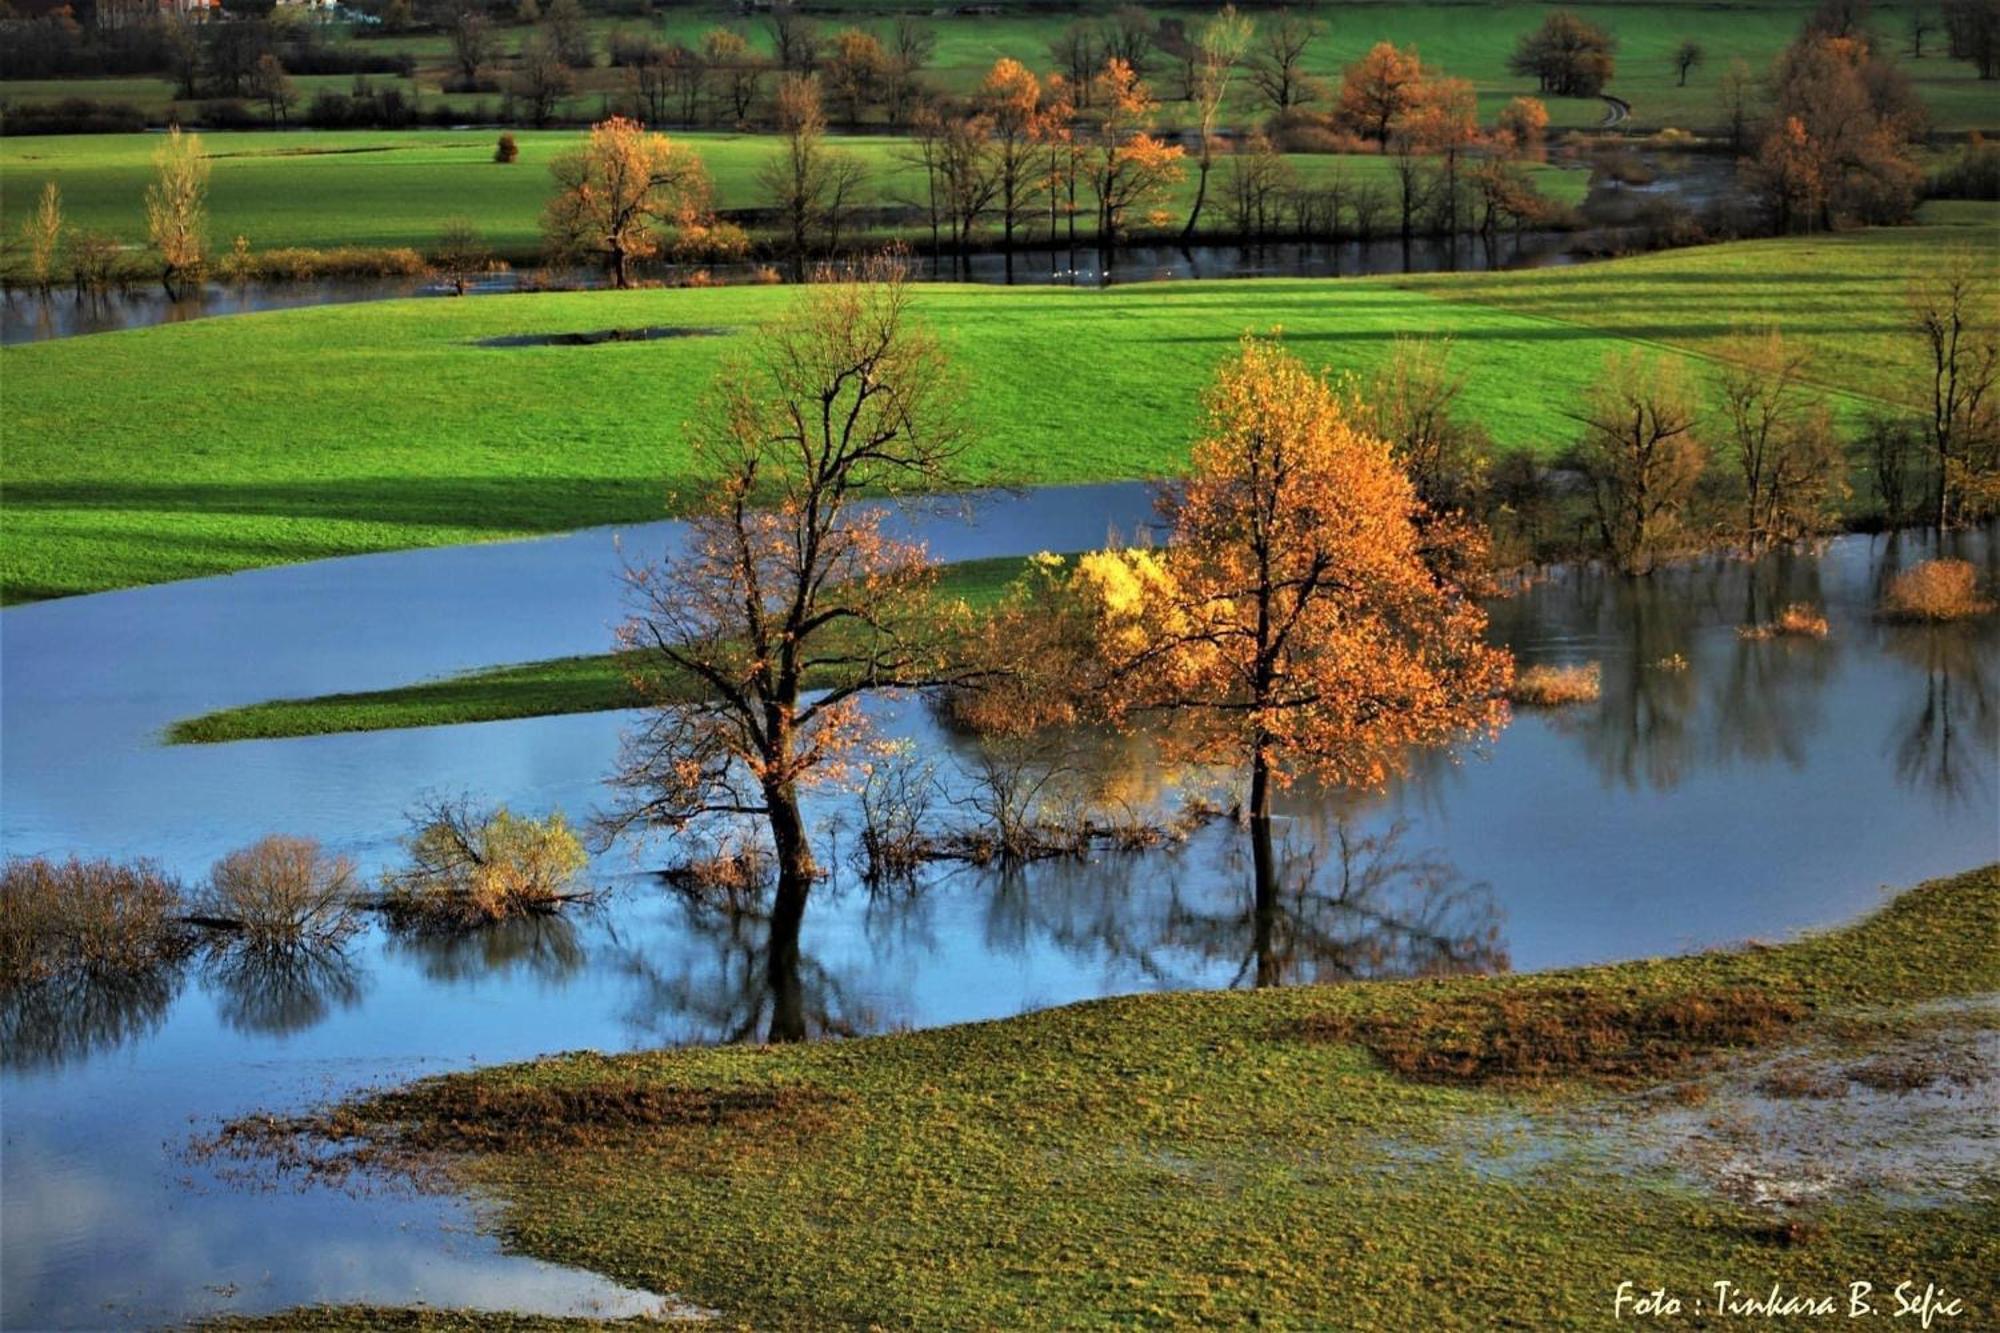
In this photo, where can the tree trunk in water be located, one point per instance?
(1200, 195)
(1265, 863)
(795, 877)
(781, 963)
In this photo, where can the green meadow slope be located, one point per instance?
(229, 443)
(1468, 1153)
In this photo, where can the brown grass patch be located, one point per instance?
(461, 1115)
(409, 1134)
(1802, 1084)
(1561, 1034)
(1935, 591)
(1554, 687)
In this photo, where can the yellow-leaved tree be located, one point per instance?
(177, 206)
(1291, 624)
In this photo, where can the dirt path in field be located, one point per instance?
(1616, 109)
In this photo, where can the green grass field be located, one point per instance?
(229, 443)
(1468, 40)
(591, 684)
(380, 189)
(1229, 1158)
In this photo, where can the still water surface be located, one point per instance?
(1721, 789)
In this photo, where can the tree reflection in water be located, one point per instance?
(1340, 905)
(742, 976)
(545, 946)
(1946, 736)
(1767, 693)
(278, 991)
(79, 1014)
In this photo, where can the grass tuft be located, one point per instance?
(1575, 1032)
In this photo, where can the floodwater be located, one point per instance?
(27, 316)
(1722, 789)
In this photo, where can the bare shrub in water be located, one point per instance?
(62, 918)
(736, 866)
(1936, 590)
(470, 865)
(285, 892)
(897, 797)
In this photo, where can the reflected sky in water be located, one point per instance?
(1721, 789)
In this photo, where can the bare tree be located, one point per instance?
(568, 32)
(1737, 93)
(1129, 35)
(1078, 56)
(1413, 402)
(1786, 451)
(1641, 456)
(794, 179)
(1952, 312)
(471, 44)
(270, 85)
(461, 254)
(1219, 46)
(542, 79)
(734, 74)
(1277, 66)
(1686, 56)
(1917, 25)
(1972, 32)
(910, 46)
(794, 39)
(788, 578)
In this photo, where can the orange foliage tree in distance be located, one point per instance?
(623, 197)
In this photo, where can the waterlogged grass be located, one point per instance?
(1203, 1158)
(591, 684)
(369, 188)
(226, 444)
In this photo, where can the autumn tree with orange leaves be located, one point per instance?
(1291, 623)
(1380, 88)
(787, 580)
(1132, 169)
(1011, 97)
(624, 197)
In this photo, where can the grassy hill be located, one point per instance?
(228, 443)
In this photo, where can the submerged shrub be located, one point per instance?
(1799, 620)
(66, 918)
(469, 866)
(1553, 687)
(284, 892)
(1935, 590)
